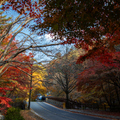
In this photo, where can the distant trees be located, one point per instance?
(63, 72)
(95, 27)
(97, 83)
(100, 84)
(38, 76)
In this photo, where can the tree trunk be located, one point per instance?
(67, 100)
(67, 92)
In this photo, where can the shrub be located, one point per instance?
(13, 114)
(18, 103)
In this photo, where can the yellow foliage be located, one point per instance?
(38, 76)
(37, 80)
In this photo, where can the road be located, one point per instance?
(49, 112)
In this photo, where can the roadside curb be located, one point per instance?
(94, 114)
(38, 114)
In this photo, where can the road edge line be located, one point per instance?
(38, 114)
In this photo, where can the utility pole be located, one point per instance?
(30, 90)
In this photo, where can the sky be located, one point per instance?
(40, 40)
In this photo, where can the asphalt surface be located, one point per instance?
(49, 112)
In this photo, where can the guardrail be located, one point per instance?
(60, 102)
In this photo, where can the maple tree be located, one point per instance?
(91, 25)
(12, 56)
(100, 84)
(27, 12)
(23, 7)
(15, 76)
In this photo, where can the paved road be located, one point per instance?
(49, 112)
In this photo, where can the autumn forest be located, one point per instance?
(79, 61)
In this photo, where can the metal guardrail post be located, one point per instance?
(64, 106)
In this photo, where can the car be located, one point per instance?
(42, 98)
